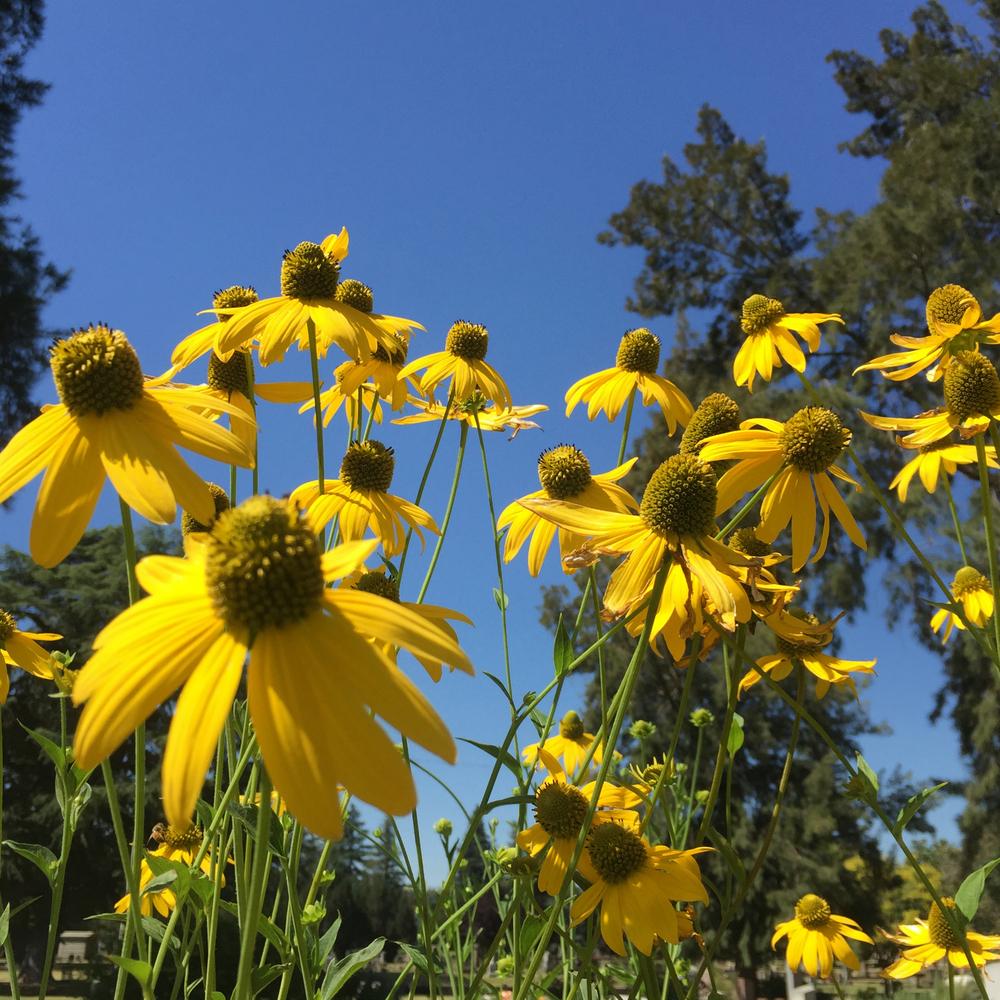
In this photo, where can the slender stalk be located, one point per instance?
(446, 520)
(258, 876)
(991, 540)
(623, 446)
(599, 629)
(317, 411)
(954, 519)
(8, 944)
(623, 697)
(738, 517)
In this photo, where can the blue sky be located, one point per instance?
(474, 151)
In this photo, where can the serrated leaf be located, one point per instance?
(53, 751)
(502, 600)
(38, 855)
(735, 736)
(338, 975)
(970, 892)
(562, 651)
(135, 967)
(497, 754)
(912, 806)
(416, 957)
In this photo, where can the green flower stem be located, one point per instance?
(623, 697)
(883, 818)
(954, 519)
(258, 875)
(232, 486)
(598, 628)
(317, 411)
(741, 514)
(991, 539)
(59, 880)
(8, 945)
(446, 520)
(298, 933)
(425, 475)
(681, 842)
(721, 753)
(623, 446)
(371, 416)
(251, 382)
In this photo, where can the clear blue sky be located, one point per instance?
(474, 151)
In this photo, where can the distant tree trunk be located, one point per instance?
(746, 983)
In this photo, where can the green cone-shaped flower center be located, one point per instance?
(356, 294)
(759, 312)
(745, 540)
(308, 273)
(967, 579)
(377, 582)
(263, 566)
(571, 726)
(812, 911)
(189, 839)
(680, 497)
(948, 303)
(937, 926)
(232, 375)
(234, 297)
(189, 525)
(564, 472)
(639, 351)
(813, 439)
(716, 414)
(615, 852)
(397, 355)
(368, 466)
(96, 370)
(8, 626)
(468, 340)
(560, 809)
(971, 386)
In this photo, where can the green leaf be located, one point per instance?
(168, 873)
(328, 940)
(416, 957)
(495, 752)
(136, 968)
(562, 652)
(970, 892)
(38, 855)
(53, 751)
(513, 800)
(866, 769)
(4, 924)
(731, 858)
(913, 804)
(265, 927)
(735, 737)
(503, 601)
(338, 975)
(260, 979)
(531, 927)
(499, 683)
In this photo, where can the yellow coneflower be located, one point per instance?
(463, 361)
(636, 884)
(934, 459)
(315, 681)
(20, 649)
(379, 582)
(799, 453)
(352, 378)
(676, 521)
(955, 324)
(309, 282)
(717, 413)
(564, 473)
(199, 343)
(816, 934)
(973, 591)
(111, 423)
(572, 744)
(361, 500)
(800, 638)
(928, 941)
(636, 370)
(972, 401)
(769, 336)
(476, 411)
(560, 809)
(176, 844)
